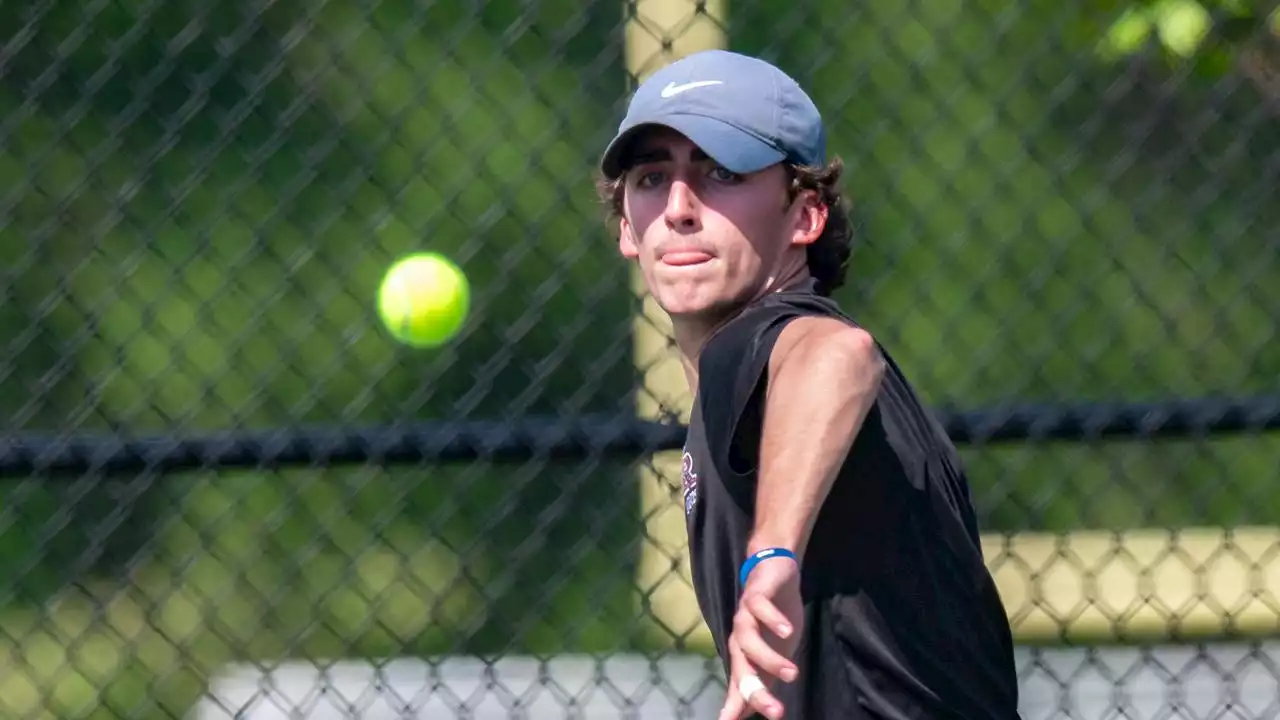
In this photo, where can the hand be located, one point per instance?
(766, 631)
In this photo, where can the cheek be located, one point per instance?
(643, 209)
(763, 244)
(645, 233)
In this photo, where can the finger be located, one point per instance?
(734, 705)
(759, 653)
(756, 696)
(768, 614)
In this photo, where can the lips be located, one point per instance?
(683, 258)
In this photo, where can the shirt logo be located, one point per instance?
(672, 89)
(689, 479)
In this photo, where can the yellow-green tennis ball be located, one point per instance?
(423, 300)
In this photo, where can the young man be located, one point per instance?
(834, 547)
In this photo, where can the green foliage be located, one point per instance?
(1210, 34)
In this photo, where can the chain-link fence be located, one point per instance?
(229, 494)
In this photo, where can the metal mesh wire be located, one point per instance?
(1057, 204)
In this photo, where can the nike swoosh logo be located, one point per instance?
(672, 89)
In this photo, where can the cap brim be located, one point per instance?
(735, 149)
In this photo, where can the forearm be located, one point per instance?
(794, 484)
(819, 396)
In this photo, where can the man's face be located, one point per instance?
(705, 238)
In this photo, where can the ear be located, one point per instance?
(810, 215)
(626, 240)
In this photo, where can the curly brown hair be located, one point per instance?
(828, 256)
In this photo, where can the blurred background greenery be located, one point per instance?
(198, 201)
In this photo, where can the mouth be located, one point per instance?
(685, 258)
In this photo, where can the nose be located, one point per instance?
(683, 208)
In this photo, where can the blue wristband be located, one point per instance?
(756, 557)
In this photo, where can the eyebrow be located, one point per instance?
(662, 155)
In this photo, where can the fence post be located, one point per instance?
(659, 32)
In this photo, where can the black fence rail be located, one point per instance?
(558, 438)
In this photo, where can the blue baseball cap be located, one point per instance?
(743, 112)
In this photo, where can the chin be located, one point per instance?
(693, 303)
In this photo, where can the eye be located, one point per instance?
(649, 178)
(724, 175)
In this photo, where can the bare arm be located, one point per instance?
(823, 379)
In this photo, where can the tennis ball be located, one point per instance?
(424, 299)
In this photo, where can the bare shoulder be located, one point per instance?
(813, 343)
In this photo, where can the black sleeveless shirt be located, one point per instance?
(902, 618)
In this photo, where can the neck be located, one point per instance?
(691, 335)
(692, 332)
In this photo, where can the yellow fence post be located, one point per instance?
(657, 33)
